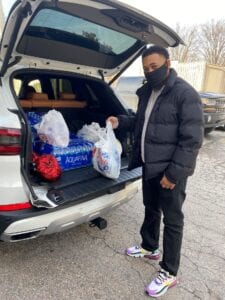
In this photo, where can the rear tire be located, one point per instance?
(208, 130)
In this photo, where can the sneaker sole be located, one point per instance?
(153, 257)
(162, 292)
(140, 255)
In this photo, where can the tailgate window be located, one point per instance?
(75, 40)
(74, 30)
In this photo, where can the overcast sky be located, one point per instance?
(173, 11)
(183, 12)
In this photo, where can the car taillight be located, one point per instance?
(10, 141)
(15, 206)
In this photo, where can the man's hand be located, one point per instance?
(114, 121)
(166, 184)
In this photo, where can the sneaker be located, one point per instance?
(137, 251)
(161, 284)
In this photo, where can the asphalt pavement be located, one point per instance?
(87, 263)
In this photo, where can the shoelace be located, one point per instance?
(138, 248)
(162, 276)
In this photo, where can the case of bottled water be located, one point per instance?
(76, 155)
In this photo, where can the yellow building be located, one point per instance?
(202, 76)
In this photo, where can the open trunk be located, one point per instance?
(81, 100)
(96, 38)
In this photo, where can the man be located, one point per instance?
(168, 132)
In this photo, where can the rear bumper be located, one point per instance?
(22, 226)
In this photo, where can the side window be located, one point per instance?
(54, 86)
(61, 85)
(65, 86)
(36, 84)
(17, 86)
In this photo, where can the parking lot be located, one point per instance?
(86, 263)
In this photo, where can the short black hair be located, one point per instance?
(156, 49)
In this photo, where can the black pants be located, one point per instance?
(158, 200)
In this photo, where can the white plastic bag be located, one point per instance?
(106, 154)
(53, 129)
(91, 132)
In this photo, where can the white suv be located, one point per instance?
(69, 51)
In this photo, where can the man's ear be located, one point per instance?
(168, 61)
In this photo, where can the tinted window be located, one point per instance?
(71, 29)
(17, 85)
(36, 84)
(65, 86)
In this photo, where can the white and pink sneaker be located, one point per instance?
(138, 251)
(161, 284)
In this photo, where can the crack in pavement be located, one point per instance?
(189, 292)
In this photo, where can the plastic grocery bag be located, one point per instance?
(91, 132)
(53, 129)
(107, 154)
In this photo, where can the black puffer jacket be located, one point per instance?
(174, 132)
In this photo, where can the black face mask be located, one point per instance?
(157, 77)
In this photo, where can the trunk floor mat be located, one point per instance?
(80, 175)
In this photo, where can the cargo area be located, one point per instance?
(81, 100)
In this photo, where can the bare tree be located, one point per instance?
(188, 52)
(212, 36)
